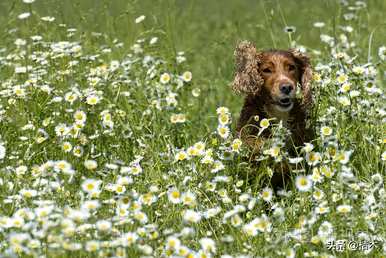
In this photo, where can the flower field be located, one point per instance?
(117, 131)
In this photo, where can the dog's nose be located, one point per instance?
(286, 88)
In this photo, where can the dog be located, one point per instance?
(270, 81)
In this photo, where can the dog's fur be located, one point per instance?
(262, 77)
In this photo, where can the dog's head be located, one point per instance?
(273, 74)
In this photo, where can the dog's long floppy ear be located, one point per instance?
(305, 68)
(247, 78)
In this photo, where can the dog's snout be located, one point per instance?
(286, 88)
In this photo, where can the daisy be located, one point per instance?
(236, 145)
(165, 78)
(224, 119)
(343, 208)
(92, 100)
(208, 245)
(2, 151)
(267, 194)
(264, 123)
(103, 225)
(358, 70)
(303, 183)
(342, 78)
(181, 155)
(174, 195)
(188, 198)
(187, 76)
(222, 110)
(191, 216)
(223, 131)
(140, 19)
(90, 164)
(173, 243)
(91, 185)
(326, 130)
(66, 147)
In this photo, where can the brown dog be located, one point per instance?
(270, 80)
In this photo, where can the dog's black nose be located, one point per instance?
(286, 88)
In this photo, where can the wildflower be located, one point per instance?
(326, 171)
(92, 100)
(140, 19)
(342, 78)
(165, 78)
(267, 194)
(191, 216)
(326, 131)
(313, 158)
(325, 229)
(136, 169)
(308, 147)
(318, 194)
(264, 123)
(181, 155)
(187, 76)
(66, 147)
(92, 246)
(90, 164)
(91, 185)
(153, 40)
(224, 119)
(303, 183)
(223, 131)
(173, 243)
(129, 239)
(343, 208)
(273, 151)
(319, 24)
(236, 145)
(382, 53)
(358, 70)
(344, 157)
(222, 110)
(208, 245)
(344, 101)
(290, 29)
(192, 151)
(2, 151)
(200, 147)
(103, 225)
(28, 193)
(21, 170)
(174, 195)
(345, 87)
(383, 155)
(77, 151)
(91, 205)
(178, 118)
(70, 97)
(23, 16)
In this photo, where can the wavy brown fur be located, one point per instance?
(262, 90)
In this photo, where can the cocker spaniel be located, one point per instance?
(270, 80)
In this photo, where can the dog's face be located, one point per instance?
(281, 75)
(275, 75)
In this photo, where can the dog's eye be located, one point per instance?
(267, 70)
(291, 67)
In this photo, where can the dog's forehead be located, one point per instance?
(277, 56)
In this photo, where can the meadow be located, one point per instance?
(117, 128)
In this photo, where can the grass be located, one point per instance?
(117, 177)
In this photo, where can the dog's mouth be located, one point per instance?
(284, 104)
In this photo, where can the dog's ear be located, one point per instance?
(304, 66)
(247, 78)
